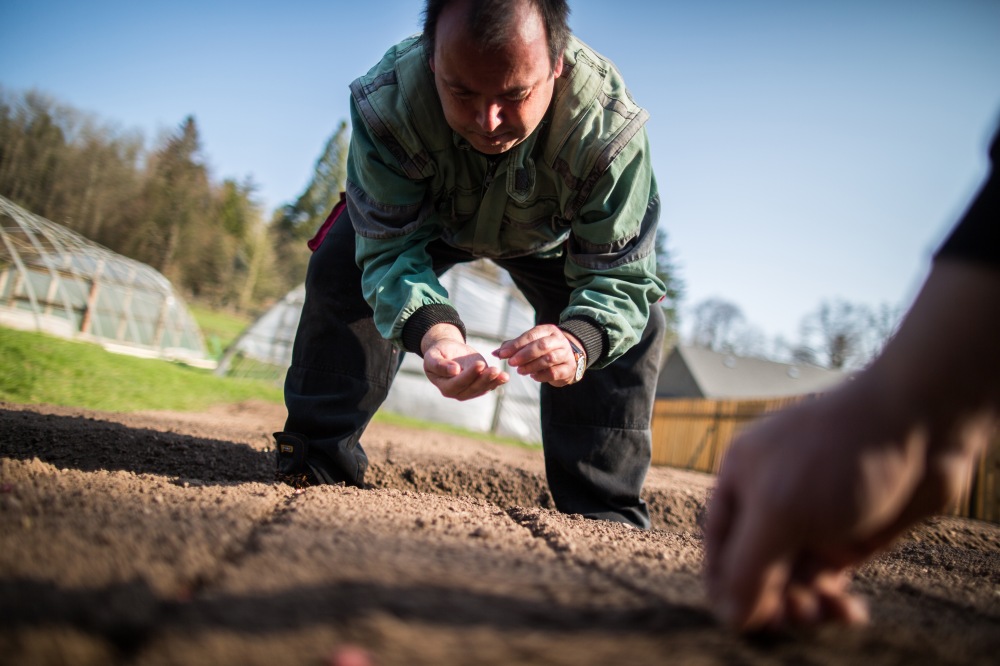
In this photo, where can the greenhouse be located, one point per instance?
(55, 281)
(493, 311)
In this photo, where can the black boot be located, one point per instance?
(300, 469)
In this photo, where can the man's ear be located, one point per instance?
(557, 70)
(430, 62)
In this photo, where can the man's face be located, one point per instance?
(494, 99)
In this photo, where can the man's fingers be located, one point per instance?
(468, 383)
(754, 568)
(716, 530)
(542, 353)
(846, 608)
(511, 347)
(803, 606)
(837, 604)
(536, 349)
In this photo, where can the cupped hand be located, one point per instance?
(459, 371)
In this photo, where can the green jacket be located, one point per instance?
(581, 184)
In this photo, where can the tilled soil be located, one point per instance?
(161, 538)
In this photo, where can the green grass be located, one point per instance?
(37, 368)
(408, 422)
(220, 329)
(40, 369)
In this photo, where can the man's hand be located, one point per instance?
(809, 492)
(542, 352)
(456, 369)
(817, 488)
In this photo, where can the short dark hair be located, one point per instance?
(490, 22)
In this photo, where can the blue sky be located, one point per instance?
(805, 150)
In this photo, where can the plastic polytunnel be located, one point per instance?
(56, 281)
(493, 311)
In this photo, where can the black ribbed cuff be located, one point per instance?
(590, 335)
(423, 319)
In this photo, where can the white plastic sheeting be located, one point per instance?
(56, 281)
(493, 311)
(264, 349)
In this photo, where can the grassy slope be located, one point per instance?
(40, 369)
(36, 368)
(219, 329)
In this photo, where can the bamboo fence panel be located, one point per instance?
(982, 498)
(693, 433)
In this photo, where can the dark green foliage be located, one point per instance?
(667, 271)
(296, 223)
(161, 208)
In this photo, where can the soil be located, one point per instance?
(161, 538)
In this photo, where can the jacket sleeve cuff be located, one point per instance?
(423, 319)
(589, 334)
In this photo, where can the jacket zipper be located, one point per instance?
(491, 170)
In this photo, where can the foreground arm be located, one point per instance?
(811, 491)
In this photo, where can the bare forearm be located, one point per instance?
(942, 369)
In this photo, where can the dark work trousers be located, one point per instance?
(595, 433)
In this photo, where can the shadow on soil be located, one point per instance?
(88, 444)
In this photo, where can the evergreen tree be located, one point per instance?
(241, 255)
(301, 219)
(176, 200)
(296, 223)
(667, 271)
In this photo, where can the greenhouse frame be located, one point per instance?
(55, 281)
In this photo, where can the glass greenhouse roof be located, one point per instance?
(56, 281)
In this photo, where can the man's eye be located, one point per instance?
(517, 97)
(461, 94)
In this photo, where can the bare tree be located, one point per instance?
(885, 321)
(69, 167)
(716, 324)
(839, 332)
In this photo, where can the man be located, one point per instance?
(818, 488)
(495, 134)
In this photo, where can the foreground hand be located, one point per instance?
(456, 369)
(810, 492)
(543, 353)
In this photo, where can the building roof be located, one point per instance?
(694, 372)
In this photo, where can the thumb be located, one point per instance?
(436, 363)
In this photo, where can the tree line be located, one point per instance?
(161, 205)
(213, 241)
(839, 334)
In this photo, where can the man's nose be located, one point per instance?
(489, 116)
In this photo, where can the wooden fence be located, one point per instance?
(695, 434)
